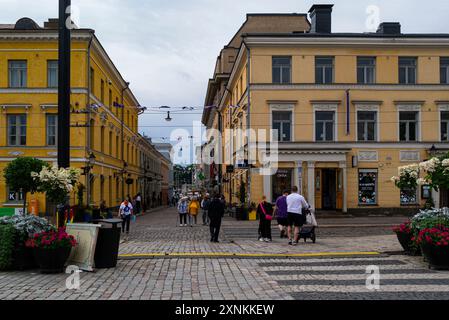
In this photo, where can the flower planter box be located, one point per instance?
(436, 256)
(51, 261)
(23, 258)
(405, 239)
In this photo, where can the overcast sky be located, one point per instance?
(167, 49)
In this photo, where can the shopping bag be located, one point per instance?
(133, 218)
(311, 220)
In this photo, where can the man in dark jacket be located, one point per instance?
(216, 213)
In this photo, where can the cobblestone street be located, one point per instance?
(163, 261)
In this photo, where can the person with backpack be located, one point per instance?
(194, 208)
(205, 207)
(265, 212)
(183, 207)
(125, 213)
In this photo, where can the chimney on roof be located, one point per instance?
(321, 16)
(389, 28)
(52, 23)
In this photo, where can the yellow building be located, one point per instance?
(104, 137)
(348, 109)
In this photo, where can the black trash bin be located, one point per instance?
(108, 242)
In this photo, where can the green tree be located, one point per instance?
(18, 175)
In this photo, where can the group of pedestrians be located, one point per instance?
(212, 210)
(291, 211)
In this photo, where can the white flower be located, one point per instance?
(422, 181)
(395, 179)
(445, 163)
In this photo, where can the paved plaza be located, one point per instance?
(163, 261)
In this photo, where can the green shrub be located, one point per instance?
(7, 238)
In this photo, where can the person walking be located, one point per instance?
(138, 201)
(183, 208)
(125, 213)
(295, 205)
(265, 211)
(205, 208)
(215, 212)
(282, 214)
(194, 208)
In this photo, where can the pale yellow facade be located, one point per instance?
(343, 160)
(97, 126)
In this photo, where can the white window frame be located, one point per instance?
(407, 72)
(367, 108)
(283, 108)
(408, 108)
(323, 73)
(47, 115)
(365, 69)
(328, 108)
(442, 108)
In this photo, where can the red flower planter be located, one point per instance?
(405, 239)
(437, 256)
(52, 261)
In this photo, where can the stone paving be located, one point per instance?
(252, 278)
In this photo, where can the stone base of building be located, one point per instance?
(368, 211)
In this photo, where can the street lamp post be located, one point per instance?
(64, 84)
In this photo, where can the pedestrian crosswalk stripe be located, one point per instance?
(361, 276)
(363, 289)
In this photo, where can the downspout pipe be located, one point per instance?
(348, 109)
(123, 138)
(88, 149)
(248, 119)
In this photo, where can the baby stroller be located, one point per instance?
(308, 230)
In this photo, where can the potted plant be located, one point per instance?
(406, 237)
(18, 176)
(434, 244)
(24, 226)
(52, 249)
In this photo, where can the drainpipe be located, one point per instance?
(87, 150)
(348, 104)
(123, 138)
(248, 118)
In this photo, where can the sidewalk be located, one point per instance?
(158, 235)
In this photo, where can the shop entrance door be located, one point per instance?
(329, 196)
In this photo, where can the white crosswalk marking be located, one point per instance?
(345, 278)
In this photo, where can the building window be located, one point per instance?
(367, 187)
(102, 91)
(52, 73)
(444, 70)
(282, 122)
(110, 98)
(324, 70)
(52, 129)
(18, 74)
(367, 125)
(282, 67)
(445, 126)
(324, 125)
(408, 126)
(407, 70)
(102, 139)
(92, 134)
(366, 70)
(92, 81)
(110, 143)
(117, 149)
(17, 129)
(409, 196)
